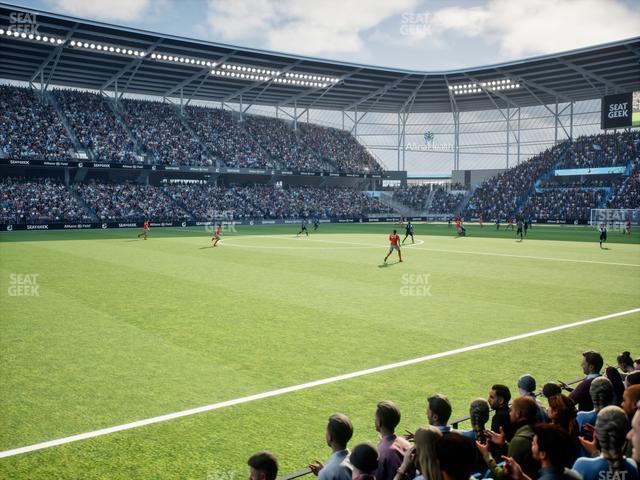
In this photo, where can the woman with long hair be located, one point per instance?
(422, 456)
(562, 412)
(612, 426)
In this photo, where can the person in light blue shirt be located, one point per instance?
(338, 467)
(612, 426)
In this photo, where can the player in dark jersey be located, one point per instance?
(497, 223)
(603, 234)
(303, 228)
(520, 228)
(316, 224)
(145, 230)
(627, 227)
(408, 230)
(481, 221)
(216, 235)
(526, 226)
(394, 244)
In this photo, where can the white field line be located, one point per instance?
(466, 252)
(303, 386)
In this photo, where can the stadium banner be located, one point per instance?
(183, 169)
(570, 172)
(616, 111)
(289, 221)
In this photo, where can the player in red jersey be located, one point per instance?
(394, 244)
(145, 229)
(216, 235)
(627, 227)
(461, 230)
(481, 221)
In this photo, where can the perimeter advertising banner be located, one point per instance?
(621, 110)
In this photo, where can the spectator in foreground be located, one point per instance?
(499, 397)
(455, 454)
(612, 426)
(439, 412)
(479, 415)
(523, 416)
(391, 448)
(548, 449)
(550, 389)
(364, 459)
(562, 412)
(630, 401)
(625, 362)
(613, 375)
(263, 465)
(634, 435)
(591, 365)
(601, 392)
(339, 432)
(632, 379)
(422, 456)
(526, 388)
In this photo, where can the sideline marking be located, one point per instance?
(303, 386)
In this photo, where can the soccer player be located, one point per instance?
(526, 226)
(216, 235)
(481, 221)
(145, 230)
(510, 225)
(603, 234)
(627, 226)
(408, 232)
(316, 223)
(394, 238)
(461, 230)
(303, 228)
(519, 223)
(497, 223)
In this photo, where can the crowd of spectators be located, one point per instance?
(506, 195)
(499, 196)
(604, 150)
(30, 128)
(129, 202)
(226, 139)
(95, 126)
(573, 204)
(207, 202)
(414, 196)
(584, 182)
(590, 432)
(283, 144)
(628, 195)
(445, 201)
(339, 148)
(38, 201)
(161, 133)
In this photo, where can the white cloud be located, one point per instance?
(120, 10)
(308, 27)
(539, 26)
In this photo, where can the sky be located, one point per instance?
(423, 35)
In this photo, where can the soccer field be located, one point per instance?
(122, 330)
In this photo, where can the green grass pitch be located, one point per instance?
(125, 329)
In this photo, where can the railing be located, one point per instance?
(454, 424)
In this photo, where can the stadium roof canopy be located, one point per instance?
(140, 68)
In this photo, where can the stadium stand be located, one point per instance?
(226, 139)
(30, 128)
(38, 201)
(163, 137)
(531, 189)
(96, 127)
(129, 202)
